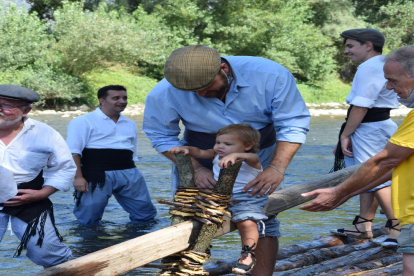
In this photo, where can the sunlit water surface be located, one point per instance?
(314, 159)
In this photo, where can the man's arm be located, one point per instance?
(79, 182)
(372, 170)
(354, 120)
(25, 196)
(270, 178)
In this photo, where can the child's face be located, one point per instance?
(228, 143)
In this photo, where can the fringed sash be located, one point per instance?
(33, 214)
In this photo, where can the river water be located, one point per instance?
(314, 159)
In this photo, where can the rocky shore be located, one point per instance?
(325, 109)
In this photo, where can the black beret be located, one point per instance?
(365, 34)
(15, 92)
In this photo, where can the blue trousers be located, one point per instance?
(52, 251)
(131, 192)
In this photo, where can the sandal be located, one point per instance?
(242, 269)
(351, 233)
(390, 243)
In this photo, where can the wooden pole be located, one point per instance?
(290, 197)
(134, 253)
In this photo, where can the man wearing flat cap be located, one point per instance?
(207, 92)
(26, 147)
(367, 129)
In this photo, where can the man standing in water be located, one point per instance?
(207, 92)
(26, 147)
(396, 161)
(368, 127)
(104, 145)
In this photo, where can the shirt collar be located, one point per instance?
(103, 115)
(238, 80)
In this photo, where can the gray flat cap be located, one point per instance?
(15, 92)
(365, 34)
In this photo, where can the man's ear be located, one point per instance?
(26, 111)
(224, 67)
(369, 46)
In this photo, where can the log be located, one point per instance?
(391, 270)
(324, 241)
(224, 186)
(351, 259)
(370, 266)
(291, 196)
(134, 253)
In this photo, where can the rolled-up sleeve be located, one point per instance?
(290, 115)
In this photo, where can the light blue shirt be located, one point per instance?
(262, 92)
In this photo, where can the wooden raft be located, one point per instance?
(126, 256)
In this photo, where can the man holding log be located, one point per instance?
(207, 92)
(395, 162)
(28, 146)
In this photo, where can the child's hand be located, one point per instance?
(223, 163)
(176, 150)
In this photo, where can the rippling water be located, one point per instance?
(314, 159)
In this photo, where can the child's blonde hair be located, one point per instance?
(245, 133)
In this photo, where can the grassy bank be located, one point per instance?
(138, 86)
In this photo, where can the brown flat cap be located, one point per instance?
(192, 68)
(15, 92)
(365, 34)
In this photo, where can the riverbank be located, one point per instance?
(329, 109)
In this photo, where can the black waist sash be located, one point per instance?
(96, 161)
(375, 114)
(205, 141)
(32, 214)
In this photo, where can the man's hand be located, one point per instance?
(326, 199)
(25, 196)
(346, 146)
(205, 179)
(80, 184)
(265, 183)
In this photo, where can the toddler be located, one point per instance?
(238, 141)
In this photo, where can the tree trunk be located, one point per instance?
(224, 186)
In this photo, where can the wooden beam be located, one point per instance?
(291, 196)
(134, 253)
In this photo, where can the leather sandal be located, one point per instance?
(351, 233)
(242, 269)
(390, 243)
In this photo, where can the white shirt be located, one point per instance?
(95, 130)
(369, 86)
(38, 145)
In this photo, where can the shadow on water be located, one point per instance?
(314, 159)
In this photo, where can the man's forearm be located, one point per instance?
(355, 118)
(372, 170)
(284, 153)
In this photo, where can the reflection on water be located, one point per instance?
(312, 160)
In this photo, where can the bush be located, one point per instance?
(137, 86)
